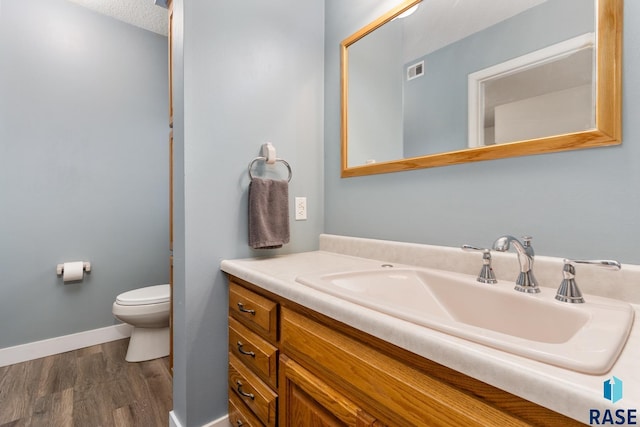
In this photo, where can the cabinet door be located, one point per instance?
(170, 43)
(308, 401)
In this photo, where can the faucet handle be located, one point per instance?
(609, 264)
(568, 290)
(486, 273)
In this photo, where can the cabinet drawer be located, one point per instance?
(252, 391)
(239, 414)
(255, 311)
(366, 375)
(254, 352)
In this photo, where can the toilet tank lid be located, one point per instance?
(148, 295)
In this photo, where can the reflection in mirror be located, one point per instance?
(547, 92)
(466, 81)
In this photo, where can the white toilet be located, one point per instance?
(147, 310)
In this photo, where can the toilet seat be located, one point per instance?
(144, 296)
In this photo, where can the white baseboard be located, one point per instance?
(220, 422)
(48, 347)
(173, 421)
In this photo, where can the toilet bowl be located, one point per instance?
(147, 310)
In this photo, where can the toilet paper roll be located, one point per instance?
(72, 271)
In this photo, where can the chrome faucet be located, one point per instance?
(568, 290)
(486, 273)
(525, 282)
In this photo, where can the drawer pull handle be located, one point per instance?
(246, 353)
(242, 393)
(245, 310)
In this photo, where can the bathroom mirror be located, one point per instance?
(441, 82)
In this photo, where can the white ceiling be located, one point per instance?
(141, 13)
(438, 23)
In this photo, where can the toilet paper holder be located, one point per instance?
(86, 267)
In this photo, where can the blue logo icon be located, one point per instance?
(613, 389)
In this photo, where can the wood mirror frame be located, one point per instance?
(608, 103)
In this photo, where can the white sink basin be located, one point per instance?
(583, 337)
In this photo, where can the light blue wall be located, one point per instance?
(582, 204)
(436, 104)
(83, 165)
(253, 72)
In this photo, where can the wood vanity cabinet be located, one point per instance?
(330, 374)
(308, 401)
(253, 357)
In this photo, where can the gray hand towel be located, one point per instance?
(268, 213)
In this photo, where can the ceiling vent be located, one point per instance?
(416, 70)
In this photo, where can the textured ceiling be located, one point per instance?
(141, 13)
(438, 23)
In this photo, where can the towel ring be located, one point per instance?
(265, 159)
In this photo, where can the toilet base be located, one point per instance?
(147, 344)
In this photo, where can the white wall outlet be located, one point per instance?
(301, 208)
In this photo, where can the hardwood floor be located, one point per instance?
(89, 387)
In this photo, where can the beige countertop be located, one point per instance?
(568, 392)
